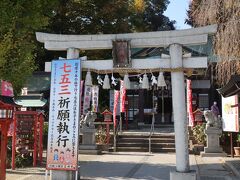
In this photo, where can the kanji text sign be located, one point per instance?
(62, 152)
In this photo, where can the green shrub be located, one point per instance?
(101, 135)
(45, 129)
(198, 133)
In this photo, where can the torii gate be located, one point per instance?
(175, 63)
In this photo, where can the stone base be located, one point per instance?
(192, 175)
(61, 175)
(213, 149)
(90, 151)
(87, 146)
(222, 154)
(88, 136)
(140, 123)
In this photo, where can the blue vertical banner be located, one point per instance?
(62, 152)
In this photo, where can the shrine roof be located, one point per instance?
(231, 88)
(39, 82)
(31, 100)
(7, 100)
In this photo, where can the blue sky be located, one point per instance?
(177, 11)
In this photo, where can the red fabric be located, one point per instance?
(7, 89)
(122, 97)
(116, 98)
(189, 104)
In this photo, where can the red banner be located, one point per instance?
(116, 98)
(189, 103)
(6, 89)
(122, 97)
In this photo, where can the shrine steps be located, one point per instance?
(160, 143)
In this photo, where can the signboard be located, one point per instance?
(95, 92)
(121, 53)
(111, 102)
(230, 114)
(189, 104)
(87, 99)
(62, 152)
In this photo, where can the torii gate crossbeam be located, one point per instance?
(172, 39)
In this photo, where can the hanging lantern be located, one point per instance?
(88, 79)
(161, 82)
(145, 82)
(106, 83)
(126, 82)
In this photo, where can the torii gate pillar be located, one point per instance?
(180, 117)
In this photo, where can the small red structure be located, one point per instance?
(108, 119)
(27, 135)
(198, 116)
(7, 107)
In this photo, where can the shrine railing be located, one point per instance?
(151, 133)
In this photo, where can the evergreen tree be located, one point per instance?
(105, 17)
(108, 16)
(18, 23)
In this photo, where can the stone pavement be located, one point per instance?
(134, 166)
(214, 168)
(234, 165)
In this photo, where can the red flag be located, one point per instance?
(122, 97)
(6, 88)
(189, 104)
(116, 97)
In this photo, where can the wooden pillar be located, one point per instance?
(14, 141)
(35, 140)
(41, 121)
(3, 149)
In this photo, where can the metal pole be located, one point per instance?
(120, 123)
(231, 144)
(114, 139)
(163, 120)
(153, 111)
(179, 109)
(76, 175)
(150, 150)
(46, 174)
